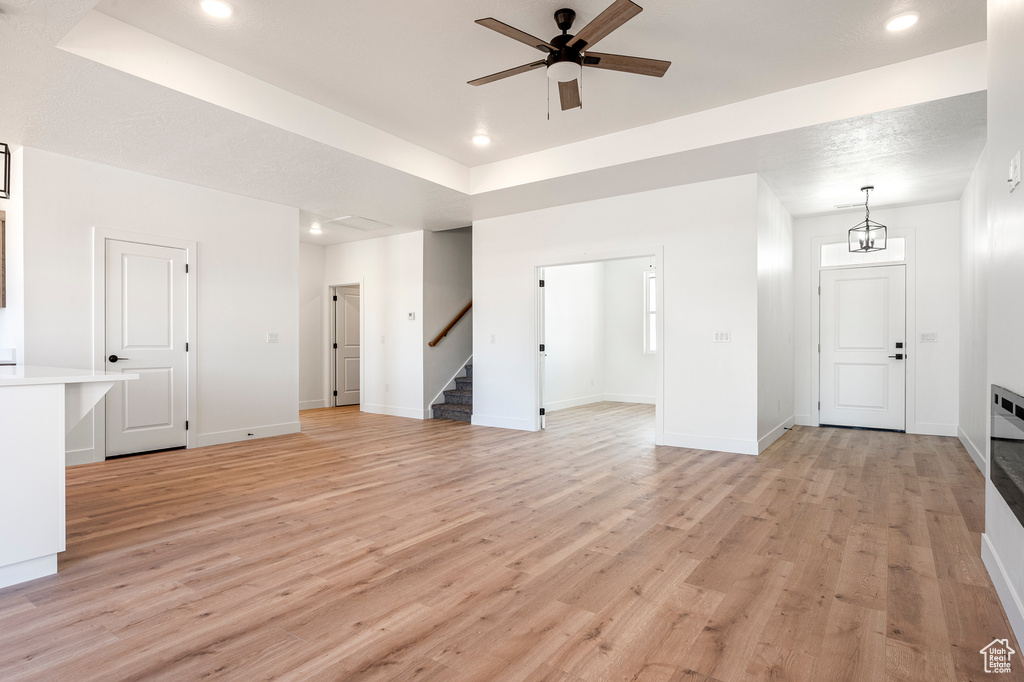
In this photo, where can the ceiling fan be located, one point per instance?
(568, 53)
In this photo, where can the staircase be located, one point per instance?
(458, 402)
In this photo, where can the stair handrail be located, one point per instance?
(455, 321)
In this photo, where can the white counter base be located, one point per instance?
(38, 406)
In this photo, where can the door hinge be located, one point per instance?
(186, 346)
(819, 347)
(542, 411)
(542, 348)
(335, 346)
(335, 298)
(542, 282)
(335, 393)
(819, 290)
(186, 268)
(819, 404)
(186, 425)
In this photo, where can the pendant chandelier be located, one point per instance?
(867, 235)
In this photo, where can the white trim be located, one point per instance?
(504, 423)
(429, 409)
(30, 569)
(100, 236)
(391, 411)
(910, 395)
(623, 398)
(926, 429)
(1007, 595)
(236, 435)
(81, 456)
(804, 420)
(311, 404)
(574, 402)
(656, 252)
(731, 445)
(973, 451)
(764, 442)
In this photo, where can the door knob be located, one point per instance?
(898, 356)
(114, 358)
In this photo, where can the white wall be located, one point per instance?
(12, 318)
(774, 317)
(705, 235)
(574, 339)
(247, 283)
(630, 375)
(389, 271)
(933, 266)
(1003, 542)
(313, 296)
(974, 387)
(447, 288)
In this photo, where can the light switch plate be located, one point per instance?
(412, 316)
(1014, 175)
(271, 337)
(723, 337)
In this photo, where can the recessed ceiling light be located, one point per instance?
(216, 8)
(901, 22)
(315, 229)
(481, 140)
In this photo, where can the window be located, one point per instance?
(650, 313)
(833, 255)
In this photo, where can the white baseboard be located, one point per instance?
(685, 440)
(236, 435)
(408, 412)
(573, 402)
(926, 429)
(623, 398)
(503, 423)
(312, 404)
(1007, 595)
(30, 569)
(85, 456)
(973, 451)
(774, 435)
(804, 420)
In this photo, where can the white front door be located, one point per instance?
(147, 329)
(863, 347)
(346, 340)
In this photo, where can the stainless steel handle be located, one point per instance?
(114, 358)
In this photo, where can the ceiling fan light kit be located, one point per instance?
(568, 53)
(867, 235)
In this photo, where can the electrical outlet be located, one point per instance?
(271, 337)
(723, 337)
(494, 338)
(387, 388)
(382, 338)
(412, 316)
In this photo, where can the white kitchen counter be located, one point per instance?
(38, 406)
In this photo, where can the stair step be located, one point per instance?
(462, 413)
(464, 383)
(458, 397)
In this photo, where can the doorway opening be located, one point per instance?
(346, 356)
(598, 325)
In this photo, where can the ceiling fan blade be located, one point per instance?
(516, 34)
(615, 15)
(508, 72)
(569, 94)
(618, 62)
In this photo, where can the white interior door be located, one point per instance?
(346, 316)
(863, 335)
(147, 332)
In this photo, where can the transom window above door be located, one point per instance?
(838, 254)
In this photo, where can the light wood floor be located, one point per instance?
(378, 548)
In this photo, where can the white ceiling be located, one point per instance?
(402, 66)
(403, 71)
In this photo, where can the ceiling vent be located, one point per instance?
(360, 223)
